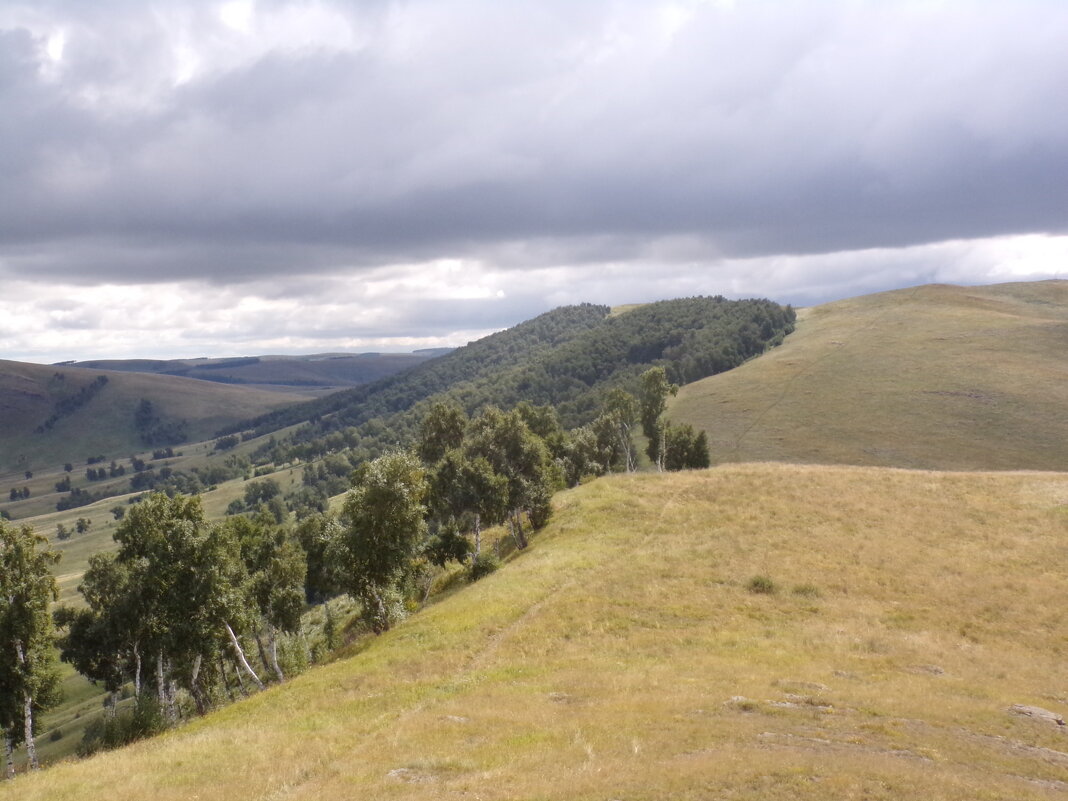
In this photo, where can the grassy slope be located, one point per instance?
(933, 377)
(602, 662)
(105, 425)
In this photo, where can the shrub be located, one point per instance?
(487, 563)
(761, 585)
(807, 590)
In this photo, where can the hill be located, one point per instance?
(50, 415)
(629, 653)
(322, 371)
(943, 377)
(567, 358)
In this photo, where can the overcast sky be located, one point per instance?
(264, 176)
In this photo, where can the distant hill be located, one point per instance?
(305, 373)
(942, 377)
(749, 632)
(55, 414)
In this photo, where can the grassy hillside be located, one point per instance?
(317, 371)
(932, 377)
(50, 415)
(625, 655)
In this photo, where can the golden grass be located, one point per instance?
(940, 377)
(623, 656)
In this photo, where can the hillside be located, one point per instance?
(567, 358)
(52, 414)
(625, 655)
(943, 377)
(303, 373)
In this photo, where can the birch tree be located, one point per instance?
(385, 514)
(28, 679)
(653, 395)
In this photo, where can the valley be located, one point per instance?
(851, 602)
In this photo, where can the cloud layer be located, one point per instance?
(319, 175)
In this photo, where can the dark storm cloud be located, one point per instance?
(400, 132)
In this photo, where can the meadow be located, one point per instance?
(936, 377)
(753, 631)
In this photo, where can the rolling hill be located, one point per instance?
(316, 372)
(50, 415)
(747, 632)
(942, 377)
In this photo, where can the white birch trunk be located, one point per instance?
(273, 639)
(27, 721)
(478, 537)
(27, 711)
(241, 656)
(137, 672)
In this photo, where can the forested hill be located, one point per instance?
(568, 358)
(475, 360)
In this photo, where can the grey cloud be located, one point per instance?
(530, 135)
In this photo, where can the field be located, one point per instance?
(747, 632)
(940, 377)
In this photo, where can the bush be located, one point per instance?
(144, 719)
(807, 590)
(487, 563)
(761, 585)
(56, 735)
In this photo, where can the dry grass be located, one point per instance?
(936, 377)
(623, 656)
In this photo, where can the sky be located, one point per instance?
(182, 179)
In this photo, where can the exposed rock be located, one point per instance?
(1038, 713)
(410, 775)
(932, 670)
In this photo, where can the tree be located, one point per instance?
(613, 429)
(386, 525)
(28, 680)
(275, 568)
(441, 430)
(513, 451)
(685, 449)
(464, 486)
(191, 589)
(653, 395)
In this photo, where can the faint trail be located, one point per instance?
(788, 384)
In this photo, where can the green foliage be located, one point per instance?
(441, 430)
(487, 563)
(385, 529)
(685, 448)
(68, 403)
(154, 430)
(118, 728)
(28, 680)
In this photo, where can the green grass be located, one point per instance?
(938, 377)
(624, 656)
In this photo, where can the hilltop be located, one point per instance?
(751, 632)
(942, 377)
